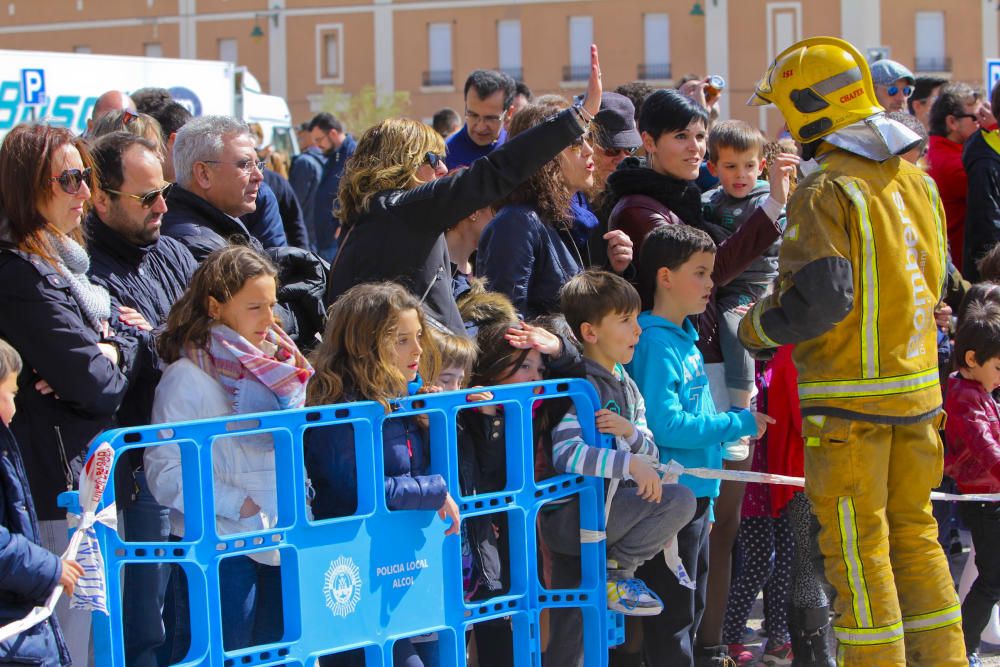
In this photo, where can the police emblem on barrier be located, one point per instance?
(342, 586)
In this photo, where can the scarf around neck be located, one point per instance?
(229, 358)
(73, 263)
(683, 198)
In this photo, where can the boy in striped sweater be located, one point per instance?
(642, 513)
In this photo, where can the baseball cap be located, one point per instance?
(616, 122)
(887, 72)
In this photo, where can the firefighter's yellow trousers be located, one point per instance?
(870, 486)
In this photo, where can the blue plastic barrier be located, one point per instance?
(368, 580)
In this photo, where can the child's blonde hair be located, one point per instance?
(456, 351)
(356, 360)
(220, 276)
(10, 360)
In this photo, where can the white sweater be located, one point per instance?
(242, 466)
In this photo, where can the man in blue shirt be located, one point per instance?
(489, 96)
(329, 136)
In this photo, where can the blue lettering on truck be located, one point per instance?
(70, 111)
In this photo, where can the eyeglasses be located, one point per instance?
(615, 152)
(474, 118)
(72, 180)
(243, 165)
(959, 116)
(894, 90)
(433, 159)
(147, 199)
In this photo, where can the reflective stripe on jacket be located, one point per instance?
(861, 269)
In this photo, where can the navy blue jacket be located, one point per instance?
(200, 226)
(527, 259)
(44, 323)
(304, 176)
(325, 222)
(462, 151)
(332, 468)
(289, 209)
(28, 573)
(265, 221)
(149, 279)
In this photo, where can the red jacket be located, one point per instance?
(785, 455)
(972, 457)
(944, 165)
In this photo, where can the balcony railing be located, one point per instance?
(654, 72)
(516, 73)
(576, 72)
(439, 78)
(932, 64)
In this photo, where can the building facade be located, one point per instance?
(297, 48)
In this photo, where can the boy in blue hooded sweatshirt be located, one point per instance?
(670, 373)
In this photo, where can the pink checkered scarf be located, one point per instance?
(282, 368)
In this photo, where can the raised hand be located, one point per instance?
(592, 98)
(780, 174)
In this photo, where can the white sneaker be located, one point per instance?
(632, 598)
(737, 450)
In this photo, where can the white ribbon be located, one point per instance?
(90, 591)
(672, 470)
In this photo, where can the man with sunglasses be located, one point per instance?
(489, 96)
(145, 273)
(893, 84)
(954, 118)
(614, 138)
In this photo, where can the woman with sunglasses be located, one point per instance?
(396, 201)
(75, 371)
(528, 251)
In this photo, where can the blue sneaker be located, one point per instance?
(974, 660)
(632, 598)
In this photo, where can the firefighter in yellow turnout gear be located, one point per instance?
(861, 270)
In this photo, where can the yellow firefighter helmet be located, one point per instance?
(820, 85)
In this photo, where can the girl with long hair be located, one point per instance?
(228, 356)
(375, 348)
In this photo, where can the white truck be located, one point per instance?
(61, 89)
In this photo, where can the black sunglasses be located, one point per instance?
(72, 180)
(147, 199)
(433, 159)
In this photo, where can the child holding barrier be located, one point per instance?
(373, 349)
(642, 513)
(28, 571)
(228, 356)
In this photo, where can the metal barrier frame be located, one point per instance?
(371, 546)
